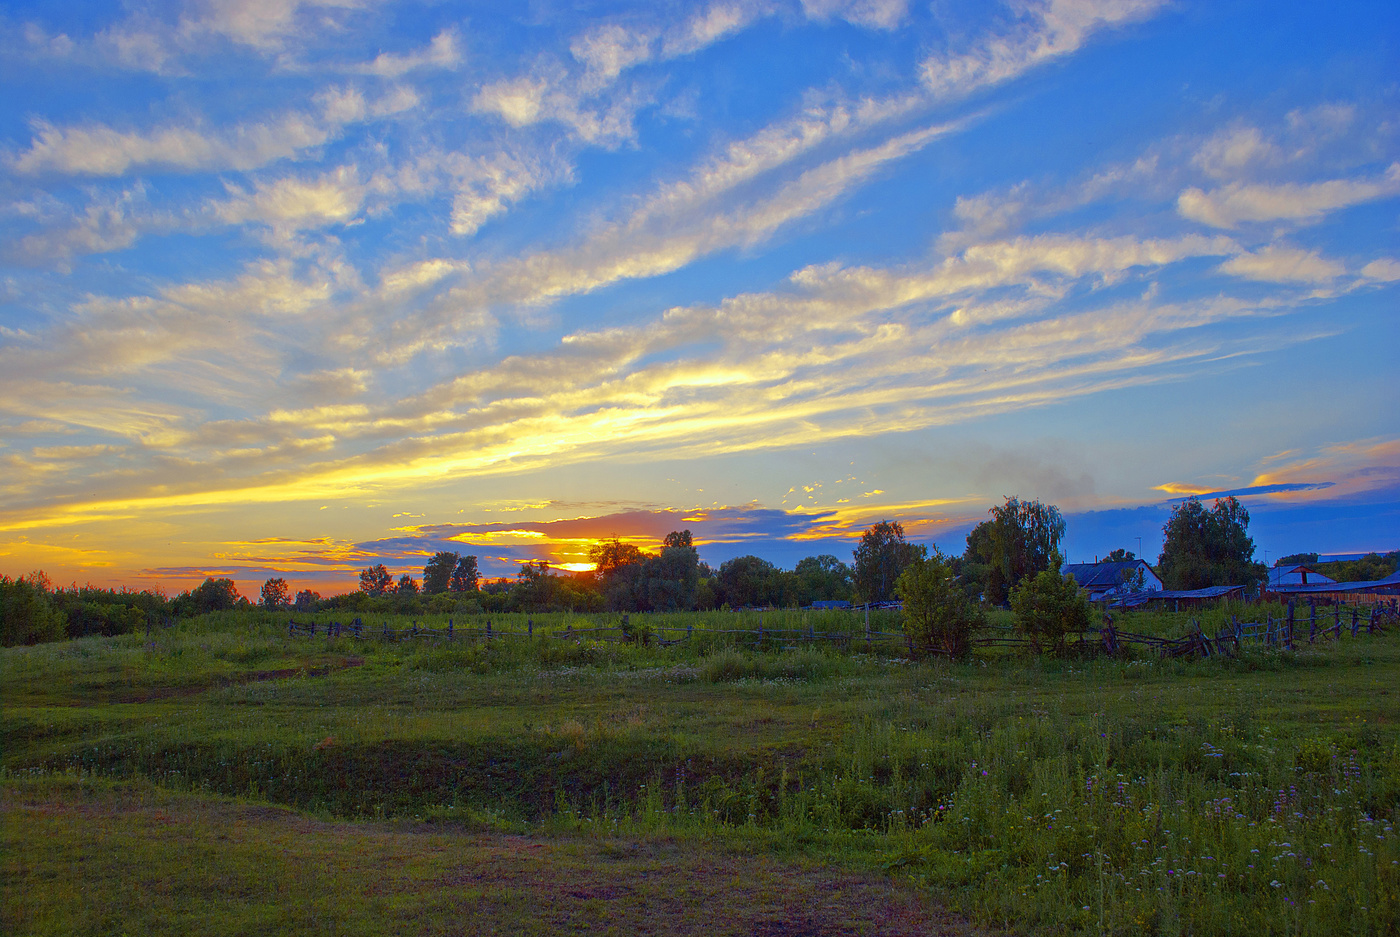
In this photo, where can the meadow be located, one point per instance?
(224, 777)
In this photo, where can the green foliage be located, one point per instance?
(1295, 559)
(1021, 539)
(212, 595)
(274, 593)
(437, 574)
(376, 580)
(748, 582)
(1208, 547)
(880, 558)
(1120, 556)
(407, 585)
(1048, 607)
(27, 613)
(630, 580)
(466, 577)
(822, 578)
(938, 615)
(1368, 568)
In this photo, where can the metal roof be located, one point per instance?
(1103, 575)
(1389, 584)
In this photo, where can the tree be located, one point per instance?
(880, 558)
(611, 555)
(1022, 538)
(1294, 559)
(437, 574)
(275, 593)
(938, 615)
(407, 585)
(215, 595)
(1203, 548)
(631, 580)
(465, 577)
(1049, 606)
(1120, 556)
(27, 612)
(306, 600)
(376, 580)
(822, 578)
(746, 581)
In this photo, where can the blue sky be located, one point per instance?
(293, 287)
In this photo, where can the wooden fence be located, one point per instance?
(1230, 639)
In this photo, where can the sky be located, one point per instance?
(291, 288)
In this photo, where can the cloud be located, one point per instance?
(1282, 264)
(717, 21)
(293, 204)
(444, 51)
(1230, 152)
(873, 14)
(1383, 269)
(1230, 205)
(1044, 32)
(98, 150)
(1193, 492)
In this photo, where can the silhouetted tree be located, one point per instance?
(376, 580)
(437, 574)
(407, 585)
(215, 595)
(275, 593)
(880, 558)
(306, 600)
(465, 577)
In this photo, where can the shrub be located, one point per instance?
(938, 615)
(27, 613)
(1048, 607)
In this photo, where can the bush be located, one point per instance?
(1048, 607)
(938, 615)
(27, 613)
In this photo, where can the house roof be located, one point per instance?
(1296, 575)
(1094, 576)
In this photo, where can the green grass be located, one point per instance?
(1256, 795)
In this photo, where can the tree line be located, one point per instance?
(1018, 543)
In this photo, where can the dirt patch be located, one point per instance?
(416, 879)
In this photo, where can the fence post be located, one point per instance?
(488, 629)
(291, 627)
(688, 627)
(1354, 620)
(530, 626)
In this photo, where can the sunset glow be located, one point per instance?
(294, 287)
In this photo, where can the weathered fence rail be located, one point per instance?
(1230, 639)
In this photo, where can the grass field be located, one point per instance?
(533, 785)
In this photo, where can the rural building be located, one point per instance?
(1296, 575)
(1357, 593)
(1110, 580)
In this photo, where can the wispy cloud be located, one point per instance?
(1234, 204)
(98, 150)
(1041, 33)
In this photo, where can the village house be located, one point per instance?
(1109, 580)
